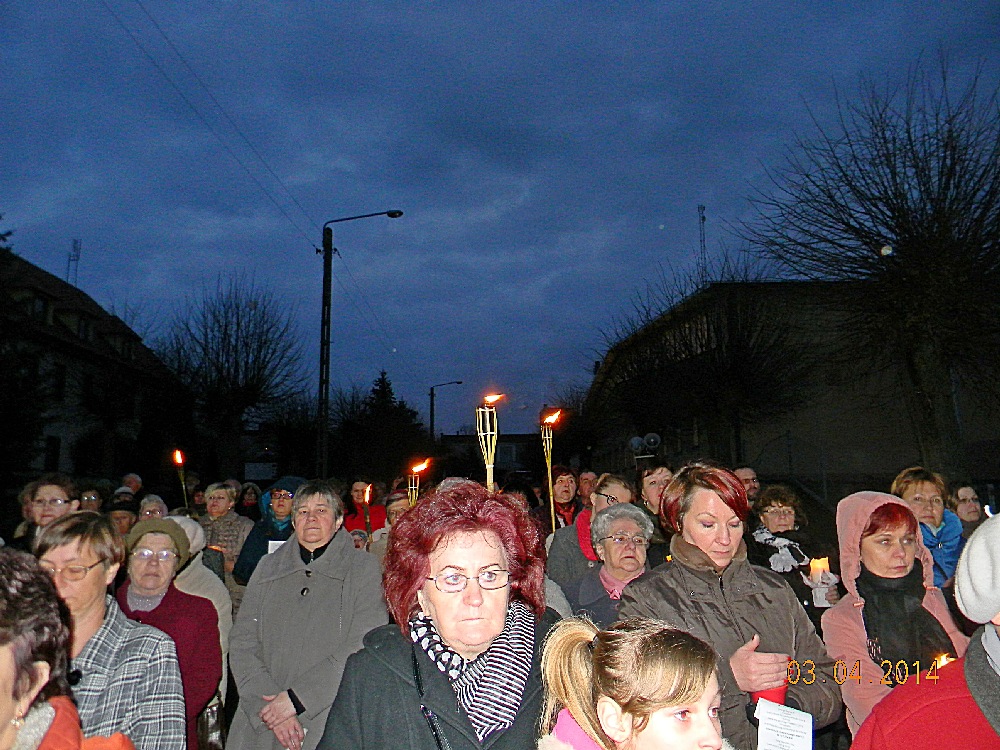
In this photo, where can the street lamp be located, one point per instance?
(438, 385)
(323, 419)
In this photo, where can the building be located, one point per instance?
(761, 373)
(95, 400)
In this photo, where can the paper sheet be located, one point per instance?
(782, 727)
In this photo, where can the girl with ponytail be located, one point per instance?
(639, 685)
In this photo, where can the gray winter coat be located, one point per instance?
(296, 628)
(726, 611)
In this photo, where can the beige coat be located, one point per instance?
(296, 628)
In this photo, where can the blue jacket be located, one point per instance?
(945, 546)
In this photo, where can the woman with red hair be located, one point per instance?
(460, 667)
(892, 610)
(748, 614)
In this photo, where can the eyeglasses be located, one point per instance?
(90, 498)
(151, 512)
(70, 572)
(610, 498)
(622, 539)
(453, 583)
(779, 512)
(285, 494)
(51, 502)
(146, 555)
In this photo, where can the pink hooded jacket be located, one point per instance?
(843, 625)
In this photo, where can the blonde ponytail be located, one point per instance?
(568, 675)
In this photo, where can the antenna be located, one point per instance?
(73, 263)
(702, 252)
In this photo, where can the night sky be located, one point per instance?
(549, 158)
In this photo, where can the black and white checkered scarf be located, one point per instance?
(489, 688)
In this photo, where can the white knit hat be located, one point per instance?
(977, 580)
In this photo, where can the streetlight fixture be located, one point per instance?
(328, 250)
(438, 385)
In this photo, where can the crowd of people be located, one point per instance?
(656, 612)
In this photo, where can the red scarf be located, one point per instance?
(583, 534)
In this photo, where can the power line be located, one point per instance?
(202, 119)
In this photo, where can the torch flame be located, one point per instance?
(551, 419)
(178, 458)
(493, 398)
(944, 659)
(420, 467)
(368, 493)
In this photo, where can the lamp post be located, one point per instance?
(323, 419)
(438, 385)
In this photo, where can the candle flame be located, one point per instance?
(178, 458)
(944, 659)
(421, 466)
(493, 398)
(552, 418)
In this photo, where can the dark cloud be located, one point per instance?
(549, 157)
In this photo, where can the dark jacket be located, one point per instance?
(567, 561)
(255, 547)
(727, 610)
(587, 596)
(378, 705)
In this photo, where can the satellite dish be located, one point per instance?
(635, 444)
(651, 441)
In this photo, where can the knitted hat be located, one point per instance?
(194, 531)
(977, 580)
(161, 526)
(124, 490)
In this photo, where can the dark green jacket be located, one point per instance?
(378, 705)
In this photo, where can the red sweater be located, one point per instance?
(193, 624)
(356, 521)
(929, 716)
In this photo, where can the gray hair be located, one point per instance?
(323, 489)
(153, 500)
(601, 524)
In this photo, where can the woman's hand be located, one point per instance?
(754, 671)
(290, 733)
(279, 709)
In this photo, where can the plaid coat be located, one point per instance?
(131, 683)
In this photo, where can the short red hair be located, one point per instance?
(461, 507)
(890, 516)
(701, 476)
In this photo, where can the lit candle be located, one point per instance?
(179, 465)
(818, 567)
(943, 659)
(547, 450)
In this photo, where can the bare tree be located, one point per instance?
(903, 196)
(236, 347)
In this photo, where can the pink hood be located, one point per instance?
(853, 513)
